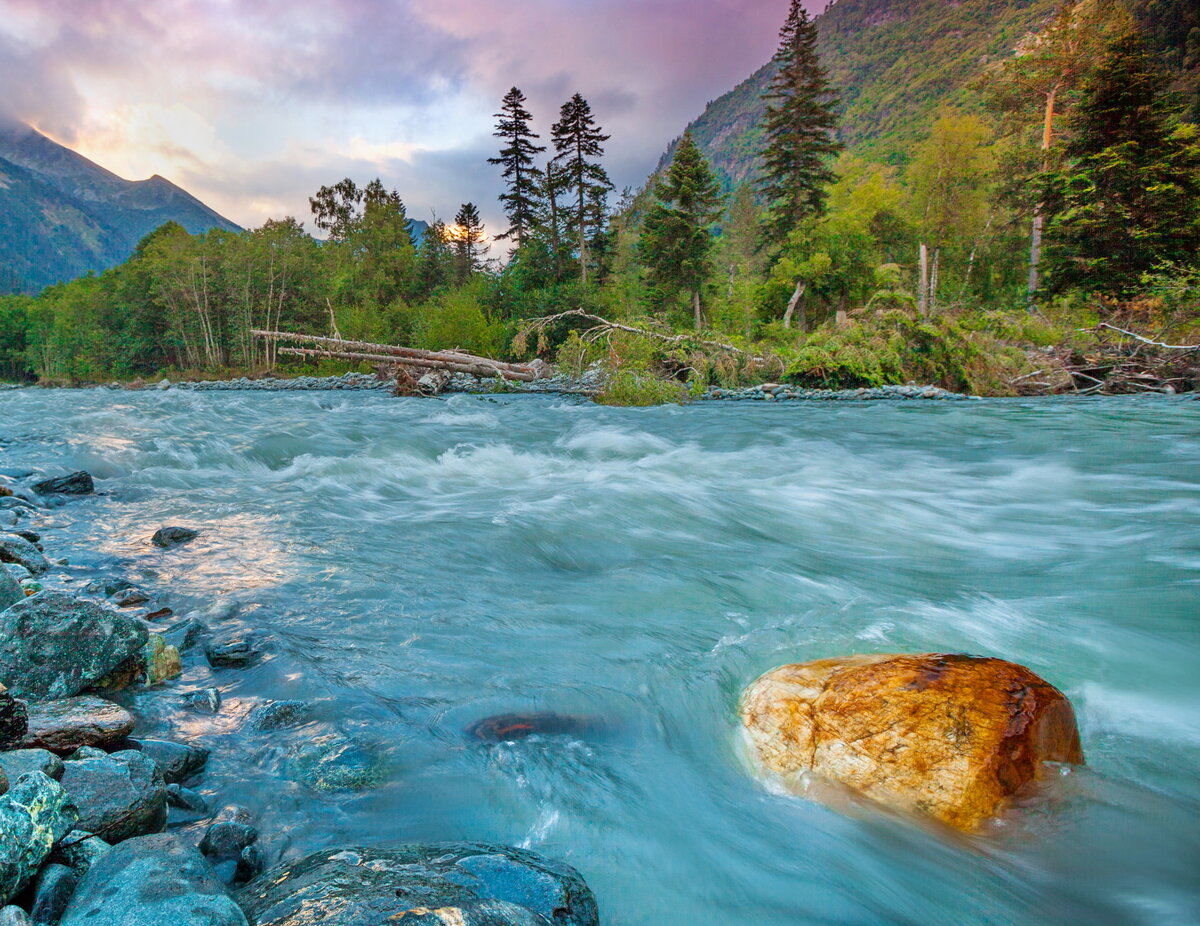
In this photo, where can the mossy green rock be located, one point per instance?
(156, 662)
(34, 815)
(55, 646)
(335, 763)
(468, 884)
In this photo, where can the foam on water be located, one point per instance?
(423, 564)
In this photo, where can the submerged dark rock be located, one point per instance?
(34, 815)
(204, 701)
(231, 654)
(504, 728)
(186, 634)
(55, 646)
(177, 761)
(467, 884)
(334, 763)
(120, 796)
(183, 798)
(63, 725)
(107, 586)
(277, 715)
(173, 536)
(152, 881)
(79, 483)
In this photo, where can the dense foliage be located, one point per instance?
(894, 270)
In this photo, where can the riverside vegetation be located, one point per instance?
(830, 265)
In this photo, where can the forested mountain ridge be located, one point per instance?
(895, 63)
(62, 215)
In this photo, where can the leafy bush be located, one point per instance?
(457, 320)
(632, 389)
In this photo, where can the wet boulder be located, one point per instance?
(55, 646)
(14, 719)
(79, 483)
(18, 550)
(17, 763)
(176, 761)
(153, 664)
(152, 881)
(947, 736)
(278, 715)
(167, 537)
(120, 796)
(232, 653)
(63, 725)
(34, 815)
(467, 884)
(10, 589)
(332, 762)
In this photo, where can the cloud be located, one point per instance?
(251, 104)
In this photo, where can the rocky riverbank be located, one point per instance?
(100, 824)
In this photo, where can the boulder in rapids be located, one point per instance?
(173, 536)
(949, 736)
(79, 483)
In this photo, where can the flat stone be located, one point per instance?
(79, 483)
(943, 735)
(19, 762)
(55, 646)
(14, 549)
(466, 884)
(120, 796)
(173, 536)
(152, 881)
(34, 815)
(64, 725)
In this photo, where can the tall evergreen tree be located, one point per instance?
(677, 241)
(468, 241)
(1127, 196)
(579, 146)
(799, 125)
(517, 157)
(433, 259)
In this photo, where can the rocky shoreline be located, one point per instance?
(99, 824)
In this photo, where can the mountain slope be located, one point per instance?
(62, 215)
(893, 64)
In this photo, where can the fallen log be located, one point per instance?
(392, 351)
(483, 368)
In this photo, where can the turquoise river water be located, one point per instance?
(416, 565)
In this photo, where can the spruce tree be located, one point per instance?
(676, 243)
(468, 241)
(799, 125)
(433, 259)
(517, 157)
(579, 146)
(1126, 198)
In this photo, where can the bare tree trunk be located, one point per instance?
(923, 281)
(933, 280)
(1039, 219)
(793, 304)
(485, 368)
(696, 309)
(842, 319)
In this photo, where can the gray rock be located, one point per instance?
(55, 646)
(250, 864)
(204, 701)
(176, 761)
(14, 916)
(34, 815)
(277, 715)
(52, 889)
(14, 720)
(10, 590)
(129, 597)
(74, 484)
(85, 752)
(14, 549)
(186, 799)
(152, 881)
(231, 654)
(464, 883)
(120, 796)
(186, 634)
(19, 762)
(64, 725)
(79, 850)
(227, 839)
(173, 536)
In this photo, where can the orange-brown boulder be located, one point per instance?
(949, 736)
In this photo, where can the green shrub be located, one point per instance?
(632, 389)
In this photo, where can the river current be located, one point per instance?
(416, 565)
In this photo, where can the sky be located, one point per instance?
(251, 105)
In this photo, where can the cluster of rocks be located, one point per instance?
(91, 814)
(769, 392)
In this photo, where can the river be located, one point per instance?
(416, 565)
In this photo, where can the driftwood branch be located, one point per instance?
(1144, 340)
(391, 351)
(483, 368)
